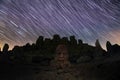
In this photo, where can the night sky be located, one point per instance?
(22, 21)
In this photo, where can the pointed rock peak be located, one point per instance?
(108, 43)
(97, 44)
(6, 47)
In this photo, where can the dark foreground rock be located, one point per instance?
(83, 71)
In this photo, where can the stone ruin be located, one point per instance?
(61, 66)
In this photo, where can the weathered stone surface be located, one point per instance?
(61, 68)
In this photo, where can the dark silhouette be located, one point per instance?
(109, 47)
(43, 51)
(5, 54)
(46, 48)
(5, 48)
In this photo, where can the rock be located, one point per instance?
(84, 59)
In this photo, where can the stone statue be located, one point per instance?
(61, 68)
(61, 60)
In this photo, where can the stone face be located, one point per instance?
(60, 68)
(61, 57)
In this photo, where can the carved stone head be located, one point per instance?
(61, 53)
(62, 56)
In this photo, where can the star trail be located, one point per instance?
(22, 21)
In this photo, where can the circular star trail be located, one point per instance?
(22, 21)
